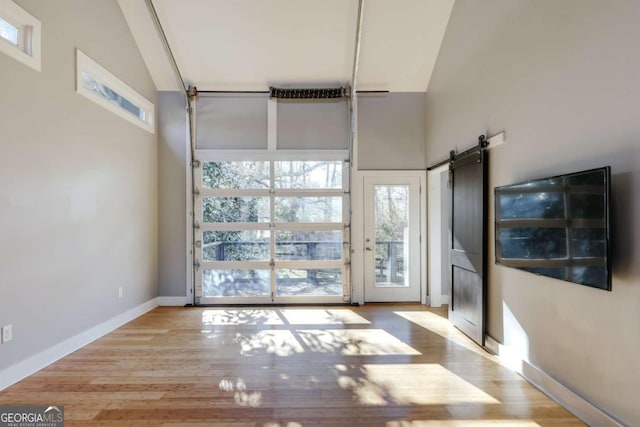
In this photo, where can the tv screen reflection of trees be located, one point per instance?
(557, 227)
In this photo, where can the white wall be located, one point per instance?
(561, 78)
(391, 131)
(78, 184)
(391, 136)
(173, 145)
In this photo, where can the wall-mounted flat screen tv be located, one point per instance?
(557, 227)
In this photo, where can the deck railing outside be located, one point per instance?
(388, 255)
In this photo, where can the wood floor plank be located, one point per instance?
(391, 365)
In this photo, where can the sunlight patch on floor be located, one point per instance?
(277, 342)
(241, 395)
(222, 317)
(241, 317)
(410, 384)
(355, 342)
(323, 317)
(441, 326)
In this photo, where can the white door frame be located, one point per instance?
(357, 229)
(435, 235)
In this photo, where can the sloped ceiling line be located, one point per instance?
(163, 38)
(247, 45)
(356, 50)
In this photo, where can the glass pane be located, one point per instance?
(9, 32)
(308, 282)
(589, 242)
(296, 174)
(308, 209)
(247, 175)
(236, 283)
(248, 245)
(588, 206)
(89, 82)
(558, 273)
(235, 209)
(533, 243)
(392, 235)
(590, 275)
(595, 178)
(547, 183)
(309, 245)
(531, 205)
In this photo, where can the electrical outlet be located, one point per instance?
(120, 293)
(7, 333)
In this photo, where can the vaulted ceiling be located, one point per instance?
(252, 44)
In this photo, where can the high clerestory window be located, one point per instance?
(105, 89)
(19, 34)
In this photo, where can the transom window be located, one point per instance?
(19, 34)
(89, 82)
(9, 32)
(105, 89)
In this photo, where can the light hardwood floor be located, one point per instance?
(376, 365)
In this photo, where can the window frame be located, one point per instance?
(274, 263)
(85, 64)
(28, 49)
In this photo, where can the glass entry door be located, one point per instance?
(272, 231)
(392, 239)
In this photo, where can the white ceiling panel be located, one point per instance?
(252, 44)
(249, 44)
(400, 43)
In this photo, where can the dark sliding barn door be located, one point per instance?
(468, 245)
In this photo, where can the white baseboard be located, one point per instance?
(444, 300)
(33, 364)
(569, 399)
(172, 301)
(492, 345)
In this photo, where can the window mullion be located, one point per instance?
(272, 221)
